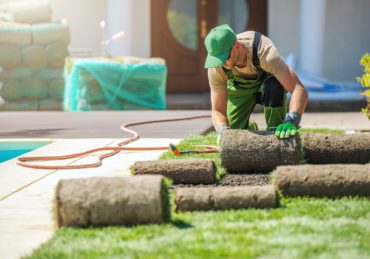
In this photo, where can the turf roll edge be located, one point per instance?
(225, 198)
(244, 151)
(335, 149)
(102, 201)
(333, 180)
(184, 171)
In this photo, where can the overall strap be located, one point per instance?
(255, 60)
(228, 72)
(256, 42)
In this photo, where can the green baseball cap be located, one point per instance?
(219, 42)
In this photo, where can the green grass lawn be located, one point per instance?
(299, 228)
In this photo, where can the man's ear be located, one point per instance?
(237, 45)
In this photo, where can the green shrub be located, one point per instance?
(365, 81)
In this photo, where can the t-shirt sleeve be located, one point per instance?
(217, 79)
(270, 59)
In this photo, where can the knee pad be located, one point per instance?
(273, 93)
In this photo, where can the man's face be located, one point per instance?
(235, 58)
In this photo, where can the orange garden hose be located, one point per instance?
(23, 161)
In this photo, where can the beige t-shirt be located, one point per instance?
(270, 61)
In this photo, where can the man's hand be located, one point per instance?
(290, 125)
(285, 130)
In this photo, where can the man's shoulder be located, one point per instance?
(215, 70)
(246, 35)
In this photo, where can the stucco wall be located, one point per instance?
(347, 38)
(141, 27)
(347, 34)
(84, 18)
(283, 25)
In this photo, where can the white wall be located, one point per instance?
(283, 25)
(347, 34)
(312, 36)
(132, 17)
(347, 38)
(84, 18)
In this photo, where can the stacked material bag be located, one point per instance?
(32, 58)
(125, 83)
(30, 12)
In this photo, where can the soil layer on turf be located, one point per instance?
(234, 180)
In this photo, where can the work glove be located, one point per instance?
(289, 127)
(220, 129)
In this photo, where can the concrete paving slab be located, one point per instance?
(21, 177)
(26, 219)
(99, 124)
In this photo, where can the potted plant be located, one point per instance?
(365, 81)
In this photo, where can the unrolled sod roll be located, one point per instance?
(185, 171)
(244, 151)
(323, 180)
(102, 201)
(226, 198)
(334, 149)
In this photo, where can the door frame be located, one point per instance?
(207, 19)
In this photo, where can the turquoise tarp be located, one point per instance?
(103, 85)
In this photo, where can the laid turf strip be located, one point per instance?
(182, 171)
(226, 198)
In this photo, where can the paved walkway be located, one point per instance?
(106, 124)
(26, 195)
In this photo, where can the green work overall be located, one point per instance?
(243, 94)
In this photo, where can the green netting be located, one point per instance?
(104, 85)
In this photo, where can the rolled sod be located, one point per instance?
(226, 198)
(101, 201)
(185, 171)
(336, 149)
(334, 180)
(244, 151)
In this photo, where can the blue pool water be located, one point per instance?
(12, 149)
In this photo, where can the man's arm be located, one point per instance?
(219, 107)
(292, 84)
(298, 102)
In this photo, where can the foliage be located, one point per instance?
(365, 80)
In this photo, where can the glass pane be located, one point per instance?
(182, 18)
(235, 13)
